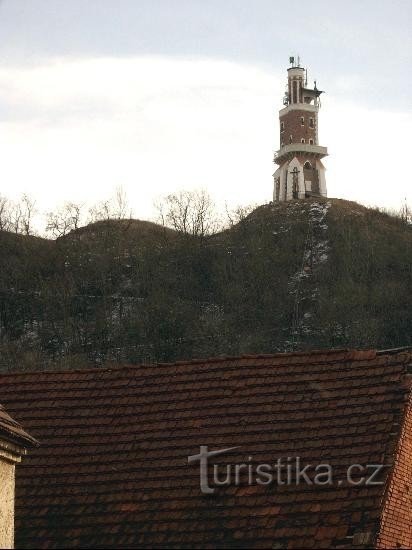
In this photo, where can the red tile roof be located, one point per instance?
(396, 522)
(112, 468)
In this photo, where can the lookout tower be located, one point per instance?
(300, 173)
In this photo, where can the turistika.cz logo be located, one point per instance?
(283, 471)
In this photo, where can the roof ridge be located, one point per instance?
(354, 354)
(394, 351)
(216, 359)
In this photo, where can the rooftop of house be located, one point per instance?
(11, 431)
(112, 469)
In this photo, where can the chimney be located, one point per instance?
(14, 443)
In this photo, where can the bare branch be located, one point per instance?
(188, 212)
(68, 218)
(5, 214)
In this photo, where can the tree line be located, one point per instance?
(190, 212)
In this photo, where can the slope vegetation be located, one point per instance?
(300, 275)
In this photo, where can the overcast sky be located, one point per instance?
(161, 95)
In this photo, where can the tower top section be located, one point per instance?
(297, 91)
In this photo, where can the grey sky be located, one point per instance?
(367, 40)
(157, 95)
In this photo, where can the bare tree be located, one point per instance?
(5, 214)
(16, 215)
(239, 213)
(188, 212)
(27, 208)
(204, 217)
(121, 204)
(114, 208)
(406, 213)
(101, 211)
(68, 218)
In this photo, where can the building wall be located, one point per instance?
(322, 178)
(295, 163)
(276, 186)
(283, 184)
(312, 180)
(293, 126)
(396, 523)
(7, 479)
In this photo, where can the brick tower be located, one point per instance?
(301, 172)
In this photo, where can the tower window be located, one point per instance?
(307, 165)
(302, 140)
(311, 141)
(302, 121)
(290, 139)
(311, 123)
(282, 126)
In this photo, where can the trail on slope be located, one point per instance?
(302, 284)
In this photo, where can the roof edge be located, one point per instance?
(394, 351)
(12, 432)
(395, 459)
(352, 354)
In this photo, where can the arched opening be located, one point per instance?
(310, 174)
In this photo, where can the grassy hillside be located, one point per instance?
(304, 274)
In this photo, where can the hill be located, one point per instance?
(298, 275)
